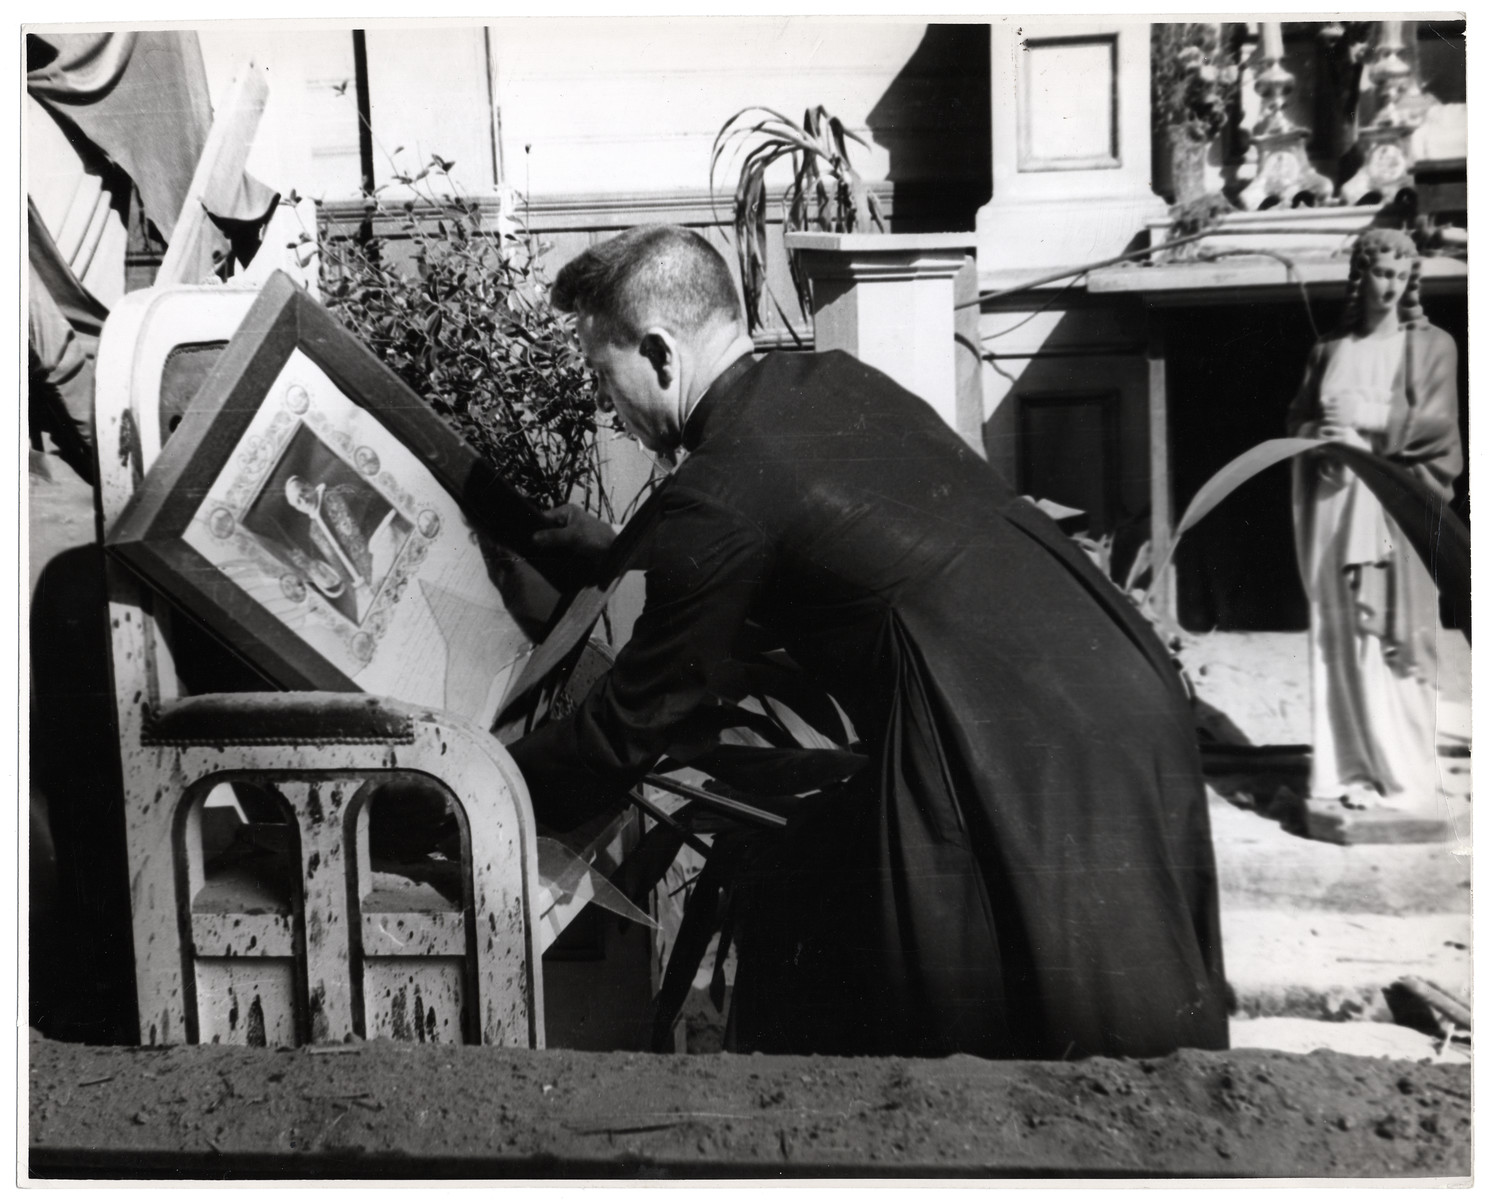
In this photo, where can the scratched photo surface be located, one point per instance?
(1111, 248)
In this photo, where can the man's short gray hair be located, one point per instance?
(646, 275)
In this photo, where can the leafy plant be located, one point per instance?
(468, 325)
(770, 742)
(826, 193)
(1193, 79)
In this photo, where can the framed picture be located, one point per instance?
(314, 513)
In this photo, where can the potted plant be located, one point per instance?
(1194, 86)
(888, 298)
(826, 193)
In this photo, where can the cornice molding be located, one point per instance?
(581, 211)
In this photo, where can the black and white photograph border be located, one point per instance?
(1135, 242)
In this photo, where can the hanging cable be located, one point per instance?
(1083, 270)
(1050, 300)
(1074, 274)
(1291, 272)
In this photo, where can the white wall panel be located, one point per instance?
(307, 137)
(1068, 104)
(585, 106)
(632, 105)
(430, 95)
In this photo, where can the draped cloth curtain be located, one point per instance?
(115, 126)
(109, 115)
(102, 106)
(136, 100)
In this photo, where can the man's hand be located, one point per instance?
(574, 531)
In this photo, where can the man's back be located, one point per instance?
(1023, 867)
(1032, 825)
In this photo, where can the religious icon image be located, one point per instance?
(329, 524)
(307, 530)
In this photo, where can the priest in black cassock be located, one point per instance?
(1024, 869)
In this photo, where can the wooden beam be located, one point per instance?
(1161, 500)
(187, 258)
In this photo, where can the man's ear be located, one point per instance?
(660, 349)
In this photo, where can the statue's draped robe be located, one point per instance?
(1024, 869)
(1374, 609)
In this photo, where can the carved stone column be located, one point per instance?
(888, 299)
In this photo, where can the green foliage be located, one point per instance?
(1193, 78)
(826, 193)
(470, 328)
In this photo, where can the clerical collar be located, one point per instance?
(698, 418)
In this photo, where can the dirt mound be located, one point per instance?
(386, 1110)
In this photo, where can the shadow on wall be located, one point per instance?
(934, 121)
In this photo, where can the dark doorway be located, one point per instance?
(1231, 372)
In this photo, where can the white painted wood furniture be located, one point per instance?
(259, 913)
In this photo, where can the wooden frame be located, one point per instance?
(1106, 404)
(305, 491)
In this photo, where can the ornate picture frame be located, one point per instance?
(315, 514)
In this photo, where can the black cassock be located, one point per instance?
(1024, 869)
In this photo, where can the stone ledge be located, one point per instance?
(1261, 867)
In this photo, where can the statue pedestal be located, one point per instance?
(888, 299)
(1387, 163)
(1284, 172)
(1330, 821)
